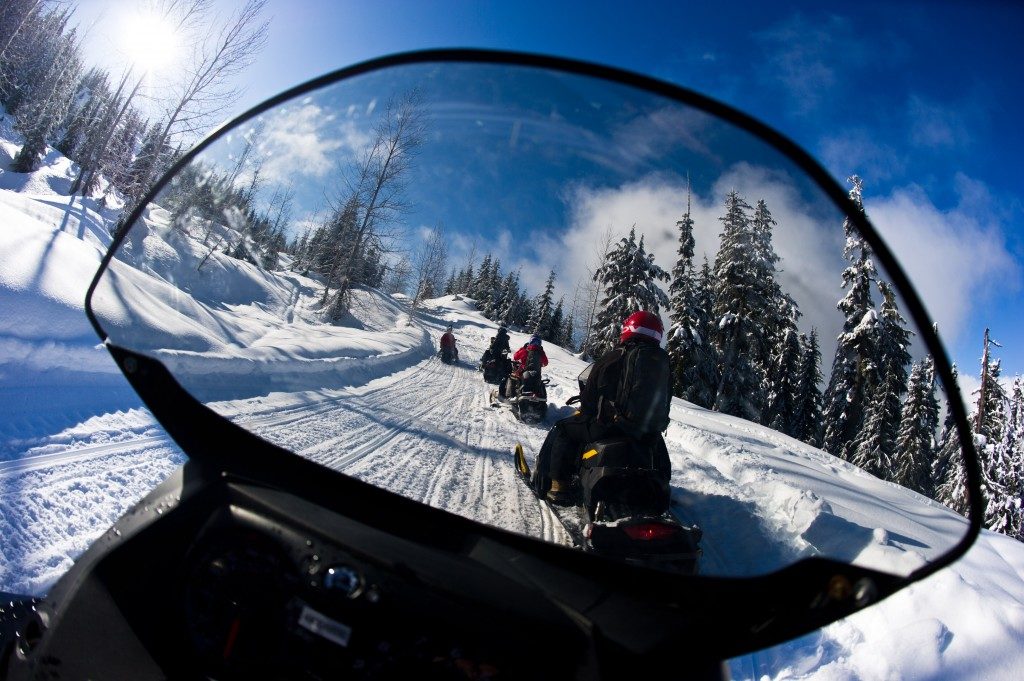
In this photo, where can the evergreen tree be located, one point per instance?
(745, 298)
(1005, 510)
(567, 339)
(481, 290)
(694, 375)
(555, 330)
(628, 282)
(806, 422)
(784, 373)
(39, 115)
(496, 292)
(449, 286)
(506, 300)
(854, 369)
(990, 427)
(540, 320)
(876, 446)
(948, 473)
(915, 442)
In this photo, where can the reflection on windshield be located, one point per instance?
(299, 274)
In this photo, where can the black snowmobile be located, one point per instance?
(496, 368)
(622, 495)
(448, 354)
(526, 395)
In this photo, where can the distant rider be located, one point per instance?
(499, 344)
(558, 457)
(529, 359)
(448, 342)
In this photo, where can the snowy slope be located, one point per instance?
(371, 398)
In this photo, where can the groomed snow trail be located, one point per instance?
(427, 433)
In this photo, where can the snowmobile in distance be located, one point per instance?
(449, 351)
(496, 369)
(449, 354)
(526, 393)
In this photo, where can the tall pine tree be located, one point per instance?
(694, 375)
(854, 369)
(915, 443)
(806, 421)
(745, 300)
(628, 280)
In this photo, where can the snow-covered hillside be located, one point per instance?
(371, 398)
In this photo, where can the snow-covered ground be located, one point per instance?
(371, 398)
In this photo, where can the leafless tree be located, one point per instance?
(377, 185)
(218, 54)
(397, 278)
(591, 288)
(431, 264)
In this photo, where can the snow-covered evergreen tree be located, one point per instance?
(806, 421)
(481, 290)
(990, 427)
(915, 442)
(877, 440)
(540, 319)
(784, 372)
(507, 300)
(555, 331)
(855, 365)
(745, 300)
(876, 445)
(1005, 486)
(49, 101)
(948, 473)
(694, 376)
(628, 281)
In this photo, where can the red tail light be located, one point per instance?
(650, 531)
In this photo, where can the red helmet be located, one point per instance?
(645, 325)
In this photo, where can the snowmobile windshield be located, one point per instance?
(294, 272)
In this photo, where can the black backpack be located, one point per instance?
(643, 397)
(533, 362)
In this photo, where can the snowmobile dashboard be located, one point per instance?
(231, 579)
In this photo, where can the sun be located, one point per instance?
(150, 41)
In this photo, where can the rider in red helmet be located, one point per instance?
(597, 416)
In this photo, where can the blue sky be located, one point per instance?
(921, 99)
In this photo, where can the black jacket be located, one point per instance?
(603, 382)
(500, 344)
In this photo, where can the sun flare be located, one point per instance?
(149, 40)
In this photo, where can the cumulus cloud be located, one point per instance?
(306, 140)
(957, 257)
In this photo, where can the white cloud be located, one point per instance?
(307, 141)
(957, 257)
(801, 55)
